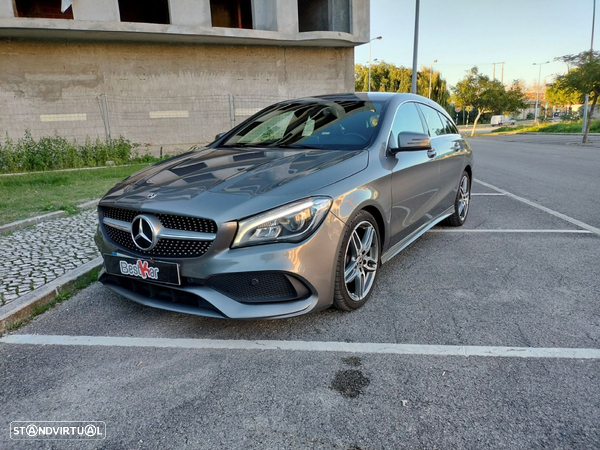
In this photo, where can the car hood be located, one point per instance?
(241, 174)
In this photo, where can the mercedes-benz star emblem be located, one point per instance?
(142, 233)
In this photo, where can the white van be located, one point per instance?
(501, 120)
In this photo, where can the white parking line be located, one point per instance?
(562, 216)
(487, 193)
(310, 346)
(478, 230)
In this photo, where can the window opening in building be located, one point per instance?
(231, 13)
(45, 9)
(148, 11)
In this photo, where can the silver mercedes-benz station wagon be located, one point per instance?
(292, 211)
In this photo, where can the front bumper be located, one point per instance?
(310, 265)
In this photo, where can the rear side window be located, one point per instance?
(434, 122)
(449, 128)
(407, 119)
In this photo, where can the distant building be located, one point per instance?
(168, 71)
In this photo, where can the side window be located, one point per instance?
(407, 119)
(434, 123)
(449, 125)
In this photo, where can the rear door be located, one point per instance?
(415, 178)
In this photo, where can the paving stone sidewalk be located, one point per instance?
(31, 257)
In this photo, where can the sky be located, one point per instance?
(461, 34)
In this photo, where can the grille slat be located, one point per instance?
(172, 248)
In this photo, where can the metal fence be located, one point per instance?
(157, 121)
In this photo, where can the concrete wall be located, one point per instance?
(6, 8)
(98, 10)
(264, 14)
(192, 90)
(190, 12)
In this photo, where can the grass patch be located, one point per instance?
(562, 127)
(65, 294)
(23, 196)
(27, 154)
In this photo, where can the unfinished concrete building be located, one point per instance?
(167, 71)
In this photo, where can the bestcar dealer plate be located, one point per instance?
(143, 269)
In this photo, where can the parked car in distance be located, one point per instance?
(501, 120)
(293, 210)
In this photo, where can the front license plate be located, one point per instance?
(158, 271)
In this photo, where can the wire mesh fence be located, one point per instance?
(156, 121)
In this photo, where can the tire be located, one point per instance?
(353, 288)
(462, 201)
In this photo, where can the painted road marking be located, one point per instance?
(310, 346)
(479, 230)
(562, 216)
(492, 194)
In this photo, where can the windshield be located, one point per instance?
(336, 125)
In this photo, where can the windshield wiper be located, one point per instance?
(297, 146)
(241, 145)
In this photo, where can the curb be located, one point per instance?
(23, 307)
(53, 215)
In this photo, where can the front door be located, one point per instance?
(415, 178)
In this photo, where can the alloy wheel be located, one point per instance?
(464, 197)
(361, 261)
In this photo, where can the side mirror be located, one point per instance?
(220, 135)
(409, 141)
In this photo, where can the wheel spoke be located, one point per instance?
(461, 207)
(350, 272)
(464, 185)
(356, 244)
(359, 284)
(367, 239)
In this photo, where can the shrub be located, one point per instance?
(56, 152)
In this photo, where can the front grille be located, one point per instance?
(254, 286)
(169, 248)
(187, 223)
(167, 220)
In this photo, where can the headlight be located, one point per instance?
(288, 223)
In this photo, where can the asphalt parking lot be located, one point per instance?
(425, 364)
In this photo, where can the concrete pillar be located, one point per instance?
(190, 12)
(264, 15)
(361, 20)
(6, 9)
(287, 17)
(340, 13)
(96, 10)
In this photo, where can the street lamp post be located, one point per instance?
(587, 96)
(537, 98)
(430, 75)
(413, 85)
(378, 38)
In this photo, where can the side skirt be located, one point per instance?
(397, 248)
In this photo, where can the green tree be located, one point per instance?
(391, 78)
(583, 79)
(558, 95)
(478, 91)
